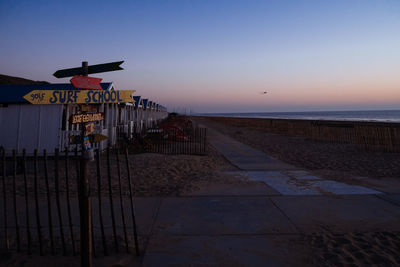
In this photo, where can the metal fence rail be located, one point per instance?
(39, 210)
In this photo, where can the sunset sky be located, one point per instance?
(217, 56)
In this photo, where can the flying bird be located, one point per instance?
(263, 93)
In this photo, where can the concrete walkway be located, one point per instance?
(258, 226)
(282, 177)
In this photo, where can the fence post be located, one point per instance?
(71, 229)
(28, 231)
(121, 201)
(111, 199)
(46, 177)
(15, 199)
(103, 236)
(38, 225)
(57, 189)
(3, 157)
(131, 198)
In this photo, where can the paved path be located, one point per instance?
(258, 226)
(282, 177)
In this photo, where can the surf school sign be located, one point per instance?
(79, 96)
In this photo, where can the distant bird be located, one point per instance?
(263, 93)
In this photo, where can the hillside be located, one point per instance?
(5, 79)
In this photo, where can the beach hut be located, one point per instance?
(28, 126)
(138, 114)
(145, 113)
(150, 120)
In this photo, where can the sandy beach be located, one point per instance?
(156, 175)
(343, 162)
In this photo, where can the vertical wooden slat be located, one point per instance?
(205, 140)
(121, 201)
(111, 199)
(77, 168)
(164, 142)
(57, 187)
(91, 225)
(185, 142)
(14, 160)
(28, 230)
(71, 227)
(175, 142)
(38, 225)
(49, 215)
(3, 158)
(103, 236)
(135, 237)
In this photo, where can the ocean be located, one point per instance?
(360, 115)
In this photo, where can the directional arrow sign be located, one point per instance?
(96, 138)
(93, 138)
(86, 117)
(91, 69)
(79, 96)
(85, 82)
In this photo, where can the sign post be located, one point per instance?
(85, 119)
(84, 197)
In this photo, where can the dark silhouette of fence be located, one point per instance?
(378, 136)
(192, 141)
(40, 211)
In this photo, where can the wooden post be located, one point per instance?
(121, 202)
(103, 236)
(91, 225)
(71, 228)
(28, 230)
(205, 141)
(3, 157)
(84, 201)
(15, 199)
(111, 199)
(57, 189)
(46, 177)
(77, 166)
(38, 225)
(131, 198)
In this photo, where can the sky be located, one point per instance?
(216, 56)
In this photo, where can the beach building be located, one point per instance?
(46, 126)
(138, 114)
(145, 112)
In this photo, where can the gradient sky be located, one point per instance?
(217, 56)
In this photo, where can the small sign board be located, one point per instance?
(89, 128)
(105, 67)
(85, 82)
(88, 108)
(44, 97)
(75, 139)
(96, 138)
(86, 117)
(93, 138)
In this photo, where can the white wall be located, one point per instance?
(30, 126)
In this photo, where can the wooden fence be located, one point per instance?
(178, 141)
(377, 136)
(39, 210)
